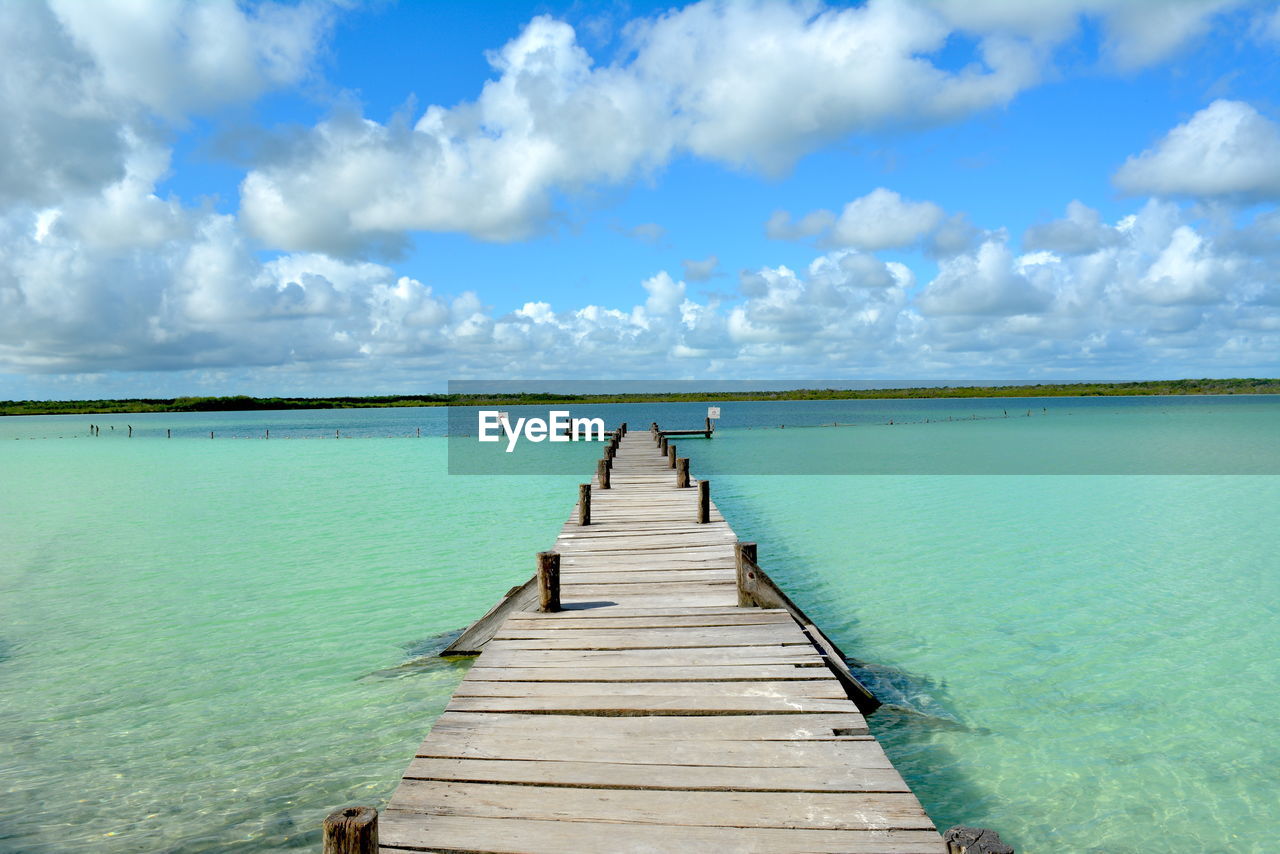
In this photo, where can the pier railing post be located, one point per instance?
(549, 581)
(584, 504)
(682, 472)
(704, 502)
(671, 456)
(602, 473)
(744, 557)
(352, 830)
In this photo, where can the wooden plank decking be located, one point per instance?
(652, 714)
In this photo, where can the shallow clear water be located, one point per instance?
(205, 645)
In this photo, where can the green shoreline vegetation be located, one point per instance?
(242, 403)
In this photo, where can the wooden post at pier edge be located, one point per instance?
(352, 830)
(974, 840)
(622, 428)
(744, 556)
(709, 427)
(602, 473)
(549, 581)
(682, 472)
(671, 456)
(584, 504)
(704, 502)
(662, 445)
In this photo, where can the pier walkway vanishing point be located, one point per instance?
(652, 712)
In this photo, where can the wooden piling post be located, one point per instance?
(704, 502)
(602, 473)
(962, 839)
(709, 427)
(609, 451)
(549, 581)
(663, 443)
(584, 504)
(352, 830)
(671, 456)
(682, 472)
(168, 433)
(623, 428)
(744, 557)
(268, 436)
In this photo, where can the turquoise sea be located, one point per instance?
(207, 645)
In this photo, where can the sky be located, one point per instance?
(326, 197)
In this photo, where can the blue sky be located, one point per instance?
(335, 198)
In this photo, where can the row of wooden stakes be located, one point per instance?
(604, 468)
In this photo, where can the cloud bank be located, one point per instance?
(98, 272)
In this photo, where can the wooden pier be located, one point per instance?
(652, 712)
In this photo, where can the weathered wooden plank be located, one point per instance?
(404, 830)
(647, 576)
(569, 622)
(502, 657)
(473, 639)
(615, 612)
(761, 634)
(850, 753)
(833, 811)
(586, 639)
(621, 775)
(816, 689)
(673, 673)
(756, 728)
(613, 705)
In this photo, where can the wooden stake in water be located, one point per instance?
(549, 581)
(353, 830)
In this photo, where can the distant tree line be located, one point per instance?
(242, 403)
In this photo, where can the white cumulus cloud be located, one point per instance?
(1226, 149)
(754, 85)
